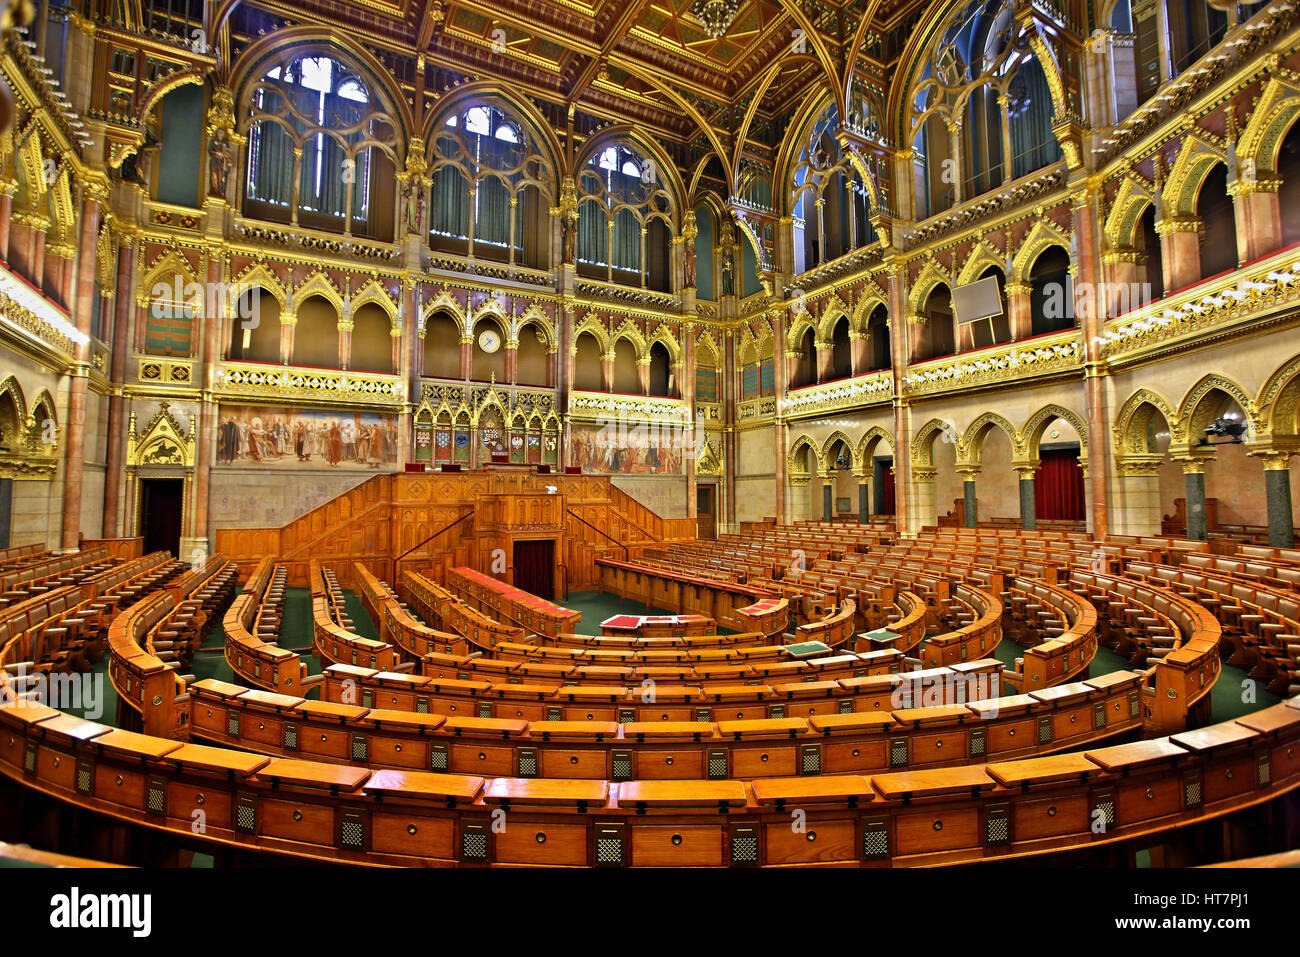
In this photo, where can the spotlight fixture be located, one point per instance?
(1225, 427)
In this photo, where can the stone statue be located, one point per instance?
(569, 237)
(219, 163)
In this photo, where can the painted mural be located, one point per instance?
(631, 451)
(304, 438)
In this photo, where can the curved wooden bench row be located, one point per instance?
(33, 580)
(26, 554)
(155, 637)
(634, 645)
(1275, 573)
(976, 639)
(739, 607)
(951, 728)
(33, 632)
(120, 586)
(632, 671)
(398, 624)
(937, 816)
(1185, 676)
(650, 701)
(332, 639)
(836, 630)
(251, 625)
(1062, 656)
(65, 629)
(506, 603)
(1261, 625)
(145, 684)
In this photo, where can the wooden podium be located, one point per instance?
(515, 531)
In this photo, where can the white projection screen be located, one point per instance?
(977, 300)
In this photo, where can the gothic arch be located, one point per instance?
(801, 324)
(1134, 195)
(443, 302)
(535, 316)
(663, 334)
(870, 442)
(1199, 154)
(666, 170)
(982, 256)
(167, 268)
(481, 93)
(375, 293)
(251, 65)
(1193, 413)
(870, 297)
(317, 284)
(791, 459)
(261, 277)
(1036, 425)
(1271, 119)
(832, 312)
(1042, 237)
(1279, 401)
(629, 330)
(930, 276)
(1130, 428)
(922, 451)
(491, 308)
(594, 326)
(971, 445)
(839, 436)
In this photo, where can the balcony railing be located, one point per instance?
(841, 395)
(1052, 354)
(1244, 296)
(253, 381)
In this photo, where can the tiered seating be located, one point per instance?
(934, 719)
(1261, 625)
(603, 749)
(65, 629)
(31, 580)
(156, 637)
(1001, 810)
(505, 602)
(332, 637)
(252, 627)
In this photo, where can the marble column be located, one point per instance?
(864, 503)
(197, 544)
(74, 464)
(1194, 481)
(1028, 508)
(970, 513)
(828, 501)
(1277, 489)
(123, 313)
(1258, 217)
(1180, 253)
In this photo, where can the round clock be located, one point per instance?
(489, 340)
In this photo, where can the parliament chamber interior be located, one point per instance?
(722, 434)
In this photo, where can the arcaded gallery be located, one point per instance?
(650, 434)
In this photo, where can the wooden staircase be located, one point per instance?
(425, 522)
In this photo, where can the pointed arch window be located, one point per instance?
(320, 148)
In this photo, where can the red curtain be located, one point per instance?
(1058, 486)
(887, 490)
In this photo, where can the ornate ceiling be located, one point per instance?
(655, 63)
